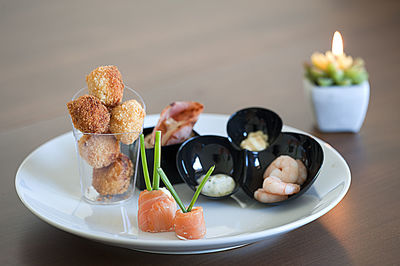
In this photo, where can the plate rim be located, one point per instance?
(202, 243)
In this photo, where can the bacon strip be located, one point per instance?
(176, 122)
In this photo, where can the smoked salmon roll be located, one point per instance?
(156, 212)
(190, 225)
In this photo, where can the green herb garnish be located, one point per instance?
(175, 195)
(144, 164)
(157, 160)
(200, 187)
(171, 189)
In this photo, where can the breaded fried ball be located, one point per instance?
(106, 84)
(115, 178)
(89, 115)
(127, 117)
(98, 150)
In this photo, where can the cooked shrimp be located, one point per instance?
(276, 172)
(302, 173)
(289, 170)
(276, 186)
(262, 196)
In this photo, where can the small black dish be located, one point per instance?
(168, 155)
(198, 154)
(297, 146)
(253, 119)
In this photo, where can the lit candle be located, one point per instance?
(337, 44)
(336, 57)
(335, 67)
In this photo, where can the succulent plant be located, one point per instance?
(329, 70)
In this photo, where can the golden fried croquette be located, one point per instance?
(115, 178)
(105, 83)
(127, 117)
(98, 150)
(89, 115)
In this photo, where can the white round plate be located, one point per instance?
(47, 182)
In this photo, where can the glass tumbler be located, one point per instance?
(107, 166)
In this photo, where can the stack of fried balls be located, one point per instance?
(105, 121)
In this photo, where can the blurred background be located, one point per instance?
(225, 54)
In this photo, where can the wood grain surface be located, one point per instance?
(227, 55)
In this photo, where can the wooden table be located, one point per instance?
(227, 55)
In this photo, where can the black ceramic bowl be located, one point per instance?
(198, 154)
(168, 163)
(296, 145)
(248, 120)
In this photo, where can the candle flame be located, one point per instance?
(337, 44)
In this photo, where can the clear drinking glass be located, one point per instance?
(107, 167)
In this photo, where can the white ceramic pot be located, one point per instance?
(338, 108)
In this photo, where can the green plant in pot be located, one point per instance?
(338, 88)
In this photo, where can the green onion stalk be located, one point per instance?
(144, 164)
(175, 195)
(157, 160)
